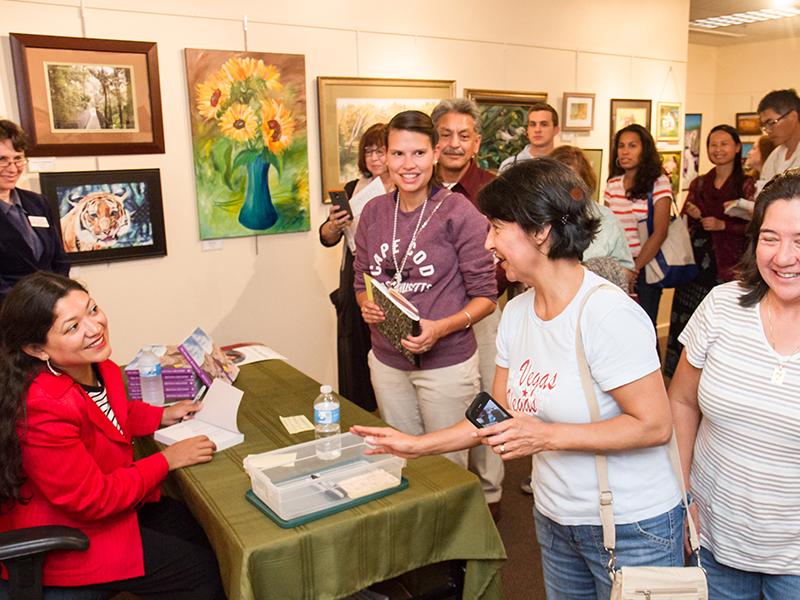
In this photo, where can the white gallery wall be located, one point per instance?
(274, 289)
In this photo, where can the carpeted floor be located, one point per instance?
(522, 574)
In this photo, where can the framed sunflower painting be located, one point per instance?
(250, 142)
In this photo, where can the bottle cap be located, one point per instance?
(147, 348)
(326, 389)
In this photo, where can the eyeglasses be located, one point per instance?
(771, 123)
(17, 162)
(376, 151)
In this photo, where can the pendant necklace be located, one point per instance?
(778, 374)
(398, 276)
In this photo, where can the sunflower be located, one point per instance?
(239, 69)
(276, 126)
(211, 94)
(239, 123)
(270, 76)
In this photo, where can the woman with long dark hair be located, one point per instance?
(65, 435)
(736, 407)
(717, 239)
(636, 173)
(426, 243)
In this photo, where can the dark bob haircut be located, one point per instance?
(11, 131)
(541, 192)
(785, 186)
(374, 136)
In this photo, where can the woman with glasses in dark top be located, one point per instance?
(30, 238)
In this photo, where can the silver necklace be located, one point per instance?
(778, 374)
(398, 275)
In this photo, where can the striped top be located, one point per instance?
(746, 465)
(98, 394)
(630, 212)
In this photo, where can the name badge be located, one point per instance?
(37, 221)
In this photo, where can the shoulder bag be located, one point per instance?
(674, 264)
(639, 583)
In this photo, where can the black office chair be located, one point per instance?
(23, 551)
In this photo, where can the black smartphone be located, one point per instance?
(485, 411)
(339, 198)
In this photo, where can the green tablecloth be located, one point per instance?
(441, 516)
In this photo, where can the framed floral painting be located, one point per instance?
(669, 119)
(250, 142)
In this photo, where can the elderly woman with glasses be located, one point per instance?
(30, 238)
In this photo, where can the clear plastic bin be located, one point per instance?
(294, 481)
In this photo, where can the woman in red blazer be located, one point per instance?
(65, 433)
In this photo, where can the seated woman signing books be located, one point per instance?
(426, 243)
(66, 429)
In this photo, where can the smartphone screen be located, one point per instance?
(492, 413)
(339, 198)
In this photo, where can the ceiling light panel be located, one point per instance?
(752, 16)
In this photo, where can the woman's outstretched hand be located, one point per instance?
(199, 449)
(388, 441)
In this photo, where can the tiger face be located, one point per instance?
(95, 222)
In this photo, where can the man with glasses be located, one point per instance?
(779, 112)
(30, 239)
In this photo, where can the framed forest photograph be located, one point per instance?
(86, 96)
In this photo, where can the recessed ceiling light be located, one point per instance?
(752, 16)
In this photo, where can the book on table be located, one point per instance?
(402, 317)
(217, 420)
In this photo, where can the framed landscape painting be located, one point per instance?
(627, 112)
(108, 216)
(348, 106)
(504, 123)
(577, 113)
(87, 97)
(249, 141)
(748, 123)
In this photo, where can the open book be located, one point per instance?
(402, 317)
(206, 358)
(217, 420)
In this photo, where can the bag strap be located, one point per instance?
(606, 497)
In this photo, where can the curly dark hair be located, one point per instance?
(649, 168)
(785, 186)
(541, 192)
(27, 316)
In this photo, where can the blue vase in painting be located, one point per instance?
(257, 212)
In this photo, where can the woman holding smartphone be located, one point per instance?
(427, 243)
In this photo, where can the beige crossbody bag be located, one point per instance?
(639, 583)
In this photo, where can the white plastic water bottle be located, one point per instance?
(150, 377)
(326, 424)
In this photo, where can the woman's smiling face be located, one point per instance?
(411, 158)
(778, 249)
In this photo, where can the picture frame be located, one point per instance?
(131, 199)
(577, 112)
(504, 123)
(692, 143)
(595, 156)
(668, 128)
(748, 123)
(746, 148)
(348, 106)
(626, 112)
(88, 96)
(671, 164)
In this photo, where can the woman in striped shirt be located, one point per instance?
(736, 408)
(635, 172)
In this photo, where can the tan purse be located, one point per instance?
(639, 583)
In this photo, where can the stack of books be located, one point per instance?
(180, 379)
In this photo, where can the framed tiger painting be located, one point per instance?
(107, 216)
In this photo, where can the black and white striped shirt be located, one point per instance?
(100, 397)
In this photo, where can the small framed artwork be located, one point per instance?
(692, 140)
(748, 123)
(595, 156)
(87, 97)
(626, 112)
(669, 119)
(504, 123)
(671, 163)
(348, 106)
(108, 215)
(746, 148)
(577, 112)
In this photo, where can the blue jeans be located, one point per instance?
(574, 558)
(727, 583)
(649, 296)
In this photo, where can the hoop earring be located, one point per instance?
(617, 161)
(49, 366)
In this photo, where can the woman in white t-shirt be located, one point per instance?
(541, 225)
(635, 172)
(736, 405)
